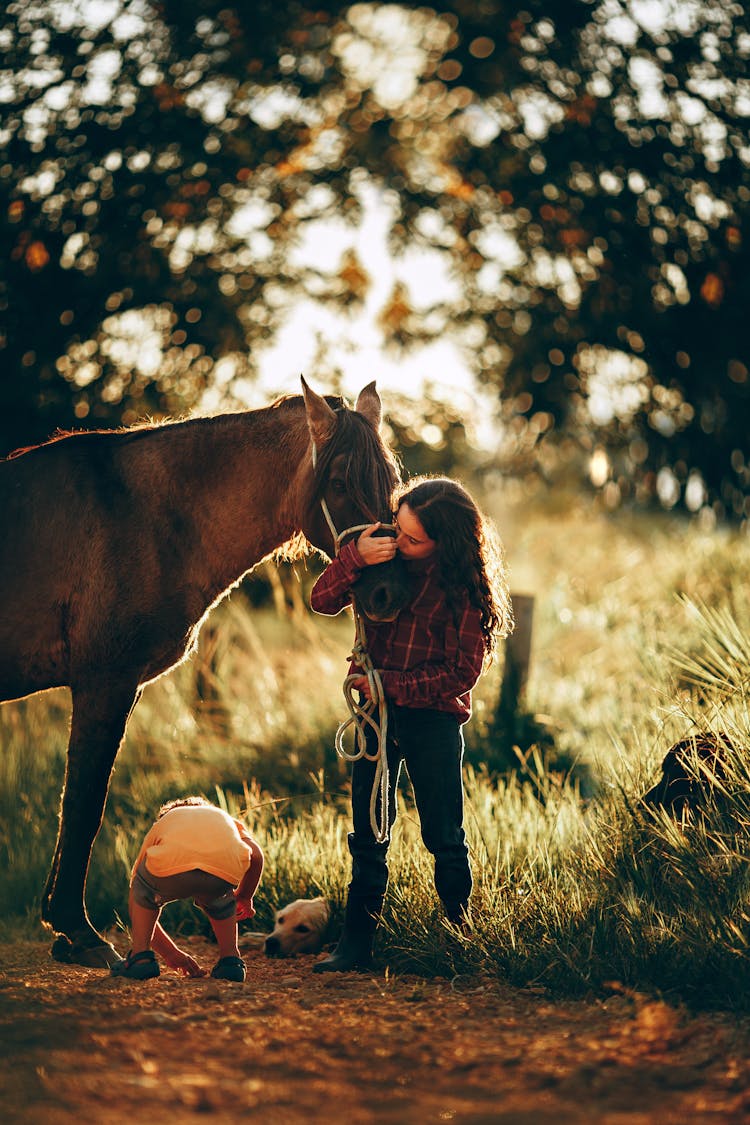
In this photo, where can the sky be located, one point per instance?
(355, 345)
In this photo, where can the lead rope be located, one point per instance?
(363, 714)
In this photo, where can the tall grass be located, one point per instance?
(642, 635)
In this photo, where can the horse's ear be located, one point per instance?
(321, 419)
(369, 405)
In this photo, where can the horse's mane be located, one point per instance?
(372, 472)
(336, 402)
(142, 425)
(283, 402)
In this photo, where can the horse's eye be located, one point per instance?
(338, 487)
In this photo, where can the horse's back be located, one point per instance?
(104, 541)
(67, 516)
(63, 501)
(53, 500)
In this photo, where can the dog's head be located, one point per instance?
(298, 928)
(689, 773)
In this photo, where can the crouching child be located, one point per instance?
(193, 851)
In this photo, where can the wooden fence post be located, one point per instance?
(517, 654)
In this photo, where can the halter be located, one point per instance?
(361, 715)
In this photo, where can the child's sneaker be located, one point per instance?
(229, 968)
(137, 966)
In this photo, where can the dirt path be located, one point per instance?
(291, 1047)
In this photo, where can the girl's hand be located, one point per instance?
(374, 548)
(183, 963)
(363, 685)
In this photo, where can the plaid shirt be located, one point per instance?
(424, 658)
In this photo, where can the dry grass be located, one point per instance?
(640, 635)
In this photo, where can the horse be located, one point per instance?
(115, 546)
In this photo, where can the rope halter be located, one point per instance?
(372, 712)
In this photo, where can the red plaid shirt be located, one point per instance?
(424, 657)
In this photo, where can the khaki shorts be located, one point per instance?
(213, 895)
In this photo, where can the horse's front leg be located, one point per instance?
(100, 715)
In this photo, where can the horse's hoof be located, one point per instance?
(100, 955)
(61, 949)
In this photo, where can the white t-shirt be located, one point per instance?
(197, 836)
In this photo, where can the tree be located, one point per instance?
(131, 146)
(622, 320)
(583, 164)
(588, 170)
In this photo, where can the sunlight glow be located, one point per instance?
(383, 52)
(406, 320)
(615, 382)
(599, 467)
(349, 350)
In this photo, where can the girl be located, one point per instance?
(429, 659)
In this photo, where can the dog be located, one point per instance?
(298, 928)
(689, 773)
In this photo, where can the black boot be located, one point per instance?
(354, 950)
(458, 915)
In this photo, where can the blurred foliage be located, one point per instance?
(581, 164)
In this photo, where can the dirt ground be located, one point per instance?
(289, 1046)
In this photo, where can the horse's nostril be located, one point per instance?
(382, 590)
(381, 598)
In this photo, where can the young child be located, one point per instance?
(197, 851)
(429, 659)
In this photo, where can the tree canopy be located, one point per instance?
(582, 166)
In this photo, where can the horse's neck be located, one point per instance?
(244, 486)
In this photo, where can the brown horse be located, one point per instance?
(116, 544)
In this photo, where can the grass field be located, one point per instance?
(641, 636)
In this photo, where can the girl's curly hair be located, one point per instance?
(470, 555)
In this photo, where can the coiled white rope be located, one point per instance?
(371, 712)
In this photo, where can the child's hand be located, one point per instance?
(245, 909)
(183, 963)
(374, 548)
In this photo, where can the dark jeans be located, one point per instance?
(430, 743)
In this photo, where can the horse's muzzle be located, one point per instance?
(382, 590)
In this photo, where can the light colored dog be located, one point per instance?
(298, 928)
